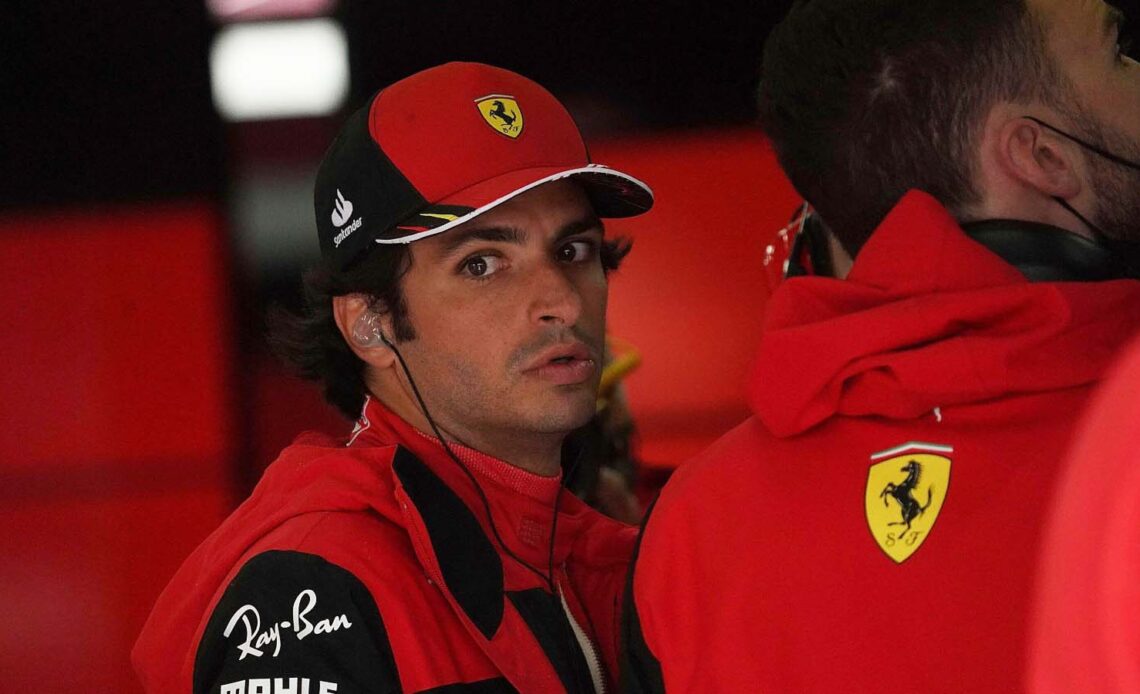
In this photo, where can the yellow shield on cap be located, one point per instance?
(906, 489)
(502, 113)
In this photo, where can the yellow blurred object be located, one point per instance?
(621, 359)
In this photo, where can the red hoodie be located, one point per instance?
(372, 567)
(874, 526)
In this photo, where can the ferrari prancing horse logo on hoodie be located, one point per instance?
(906, 487)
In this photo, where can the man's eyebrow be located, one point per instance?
(455, 239)
(578, 226)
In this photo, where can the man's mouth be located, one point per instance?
(564, 364)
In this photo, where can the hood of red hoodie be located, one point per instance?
(929, 318)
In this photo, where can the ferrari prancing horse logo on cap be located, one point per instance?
(906, 488)
(502, 113)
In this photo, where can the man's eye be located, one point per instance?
(481, 265)
(577, 251)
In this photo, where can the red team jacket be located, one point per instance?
(874, 526)
(372, 568)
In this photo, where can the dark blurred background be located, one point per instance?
(155, 197)
(113, 102)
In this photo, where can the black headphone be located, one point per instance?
(1041, 252)
(1045, 253)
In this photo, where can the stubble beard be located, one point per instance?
(1116, 186)
(481, 407)
(560, 417)
(1118, 206)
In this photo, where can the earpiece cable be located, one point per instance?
(567, 635)
(548, 579)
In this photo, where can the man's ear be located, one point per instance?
(1038, 158)
(364, 330)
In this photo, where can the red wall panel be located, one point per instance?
(117, 343)
(691, 294)
(79, 577)
(115, 426)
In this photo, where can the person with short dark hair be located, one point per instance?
(458, 314)
(874, 526)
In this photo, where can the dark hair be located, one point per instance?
(866, 99)
(310, 342)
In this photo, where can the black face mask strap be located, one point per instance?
(1097, 233)
(1125, 253)
(1114, 158)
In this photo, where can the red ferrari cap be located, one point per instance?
(438, 148)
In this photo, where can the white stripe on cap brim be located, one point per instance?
(597, 169)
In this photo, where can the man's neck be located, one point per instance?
(527, 450)
(537, 452)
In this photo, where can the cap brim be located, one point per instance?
(613, 194)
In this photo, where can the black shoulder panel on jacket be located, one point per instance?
(640, 670)
(543, 613)
(470, 565)
(293, 622)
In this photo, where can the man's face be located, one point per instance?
(1083, 37)
(509, 316)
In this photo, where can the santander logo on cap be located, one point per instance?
(342, 212)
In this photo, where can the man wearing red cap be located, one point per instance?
(459, 314)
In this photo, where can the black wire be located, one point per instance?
(568, 633)
(1097, 233)
(549, 577)
(1114, 158)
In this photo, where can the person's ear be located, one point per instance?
(1038, 158)
(365, 330)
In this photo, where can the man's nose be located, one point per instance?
(556, 299)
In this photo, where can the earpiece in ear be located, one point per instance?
(366, 331)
